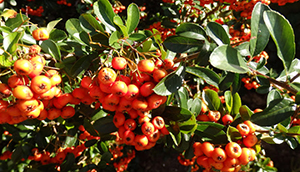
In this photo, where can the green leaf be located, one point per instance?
(233, 134)
(137, 37)
(191, 28)
(212, 99)
(82, 64)
(73, 26)
(188, 126)
(259, 32)
(180, 44)
(133, 17)
(297, 98)
(17, 154)
(206, 74)
(277, 111)
(52, 24)
(217, 33)
(292, 142)
(226, 81)
(281, 128)
(119, 22)
(5, 62)
(89, 127)
(89, 23)
(70, 141)
(68, 163)
(236, 84)
(51, 48)
(171, 83)
(227, 58)
(195, 106)
(245, 112)
(283, 35)
(210, 131)
(104, 11)
(114, 39)
(58, 35)
(228, 101)
(17, 21)
(273, 94)
(10, 41)
(105, 125)
(236, 104)
(174, 113)
(182, 96)
(192, 35)
(294, 130)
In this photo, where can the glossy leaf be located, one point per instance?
(188, 126)
(73, 26)
(192, 35)
(133, 17)
(294, 130)
(245, 112)
(217, 33)
(206, 74)
(273, 94)
(226, 81)
(119, 22)
(105, 125)
(236, 104)
(89, 127)
(212, 99)
(227, 58)
(277, 111)
(87, 21)
(233, 134)
(182, 96)
(171, 83)
(178, 114)
(259, 32)
(10, 41)
(104, 11)
(190, 27)
(51, 48)
(68, 163)
(228, 101)
(5, 62)
(52, 24)
(212, 132)
(195, 106)
(180, 44)
(283, 35)
(292, 142)
(297, 98)
(58, 35)
(17, 21)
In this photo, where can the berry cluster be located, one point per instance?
(33, 92)
(119, 9)
(45, 157)
(229, 158)
(121, 160)
(249, 84)
(165, 32)
(129, 99)
(85, 135)
(263, 54)
(35, 12)
(63, 2)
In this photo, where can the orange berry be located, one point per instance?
(207, 148)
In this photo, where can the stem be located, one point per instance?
(279, 83)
